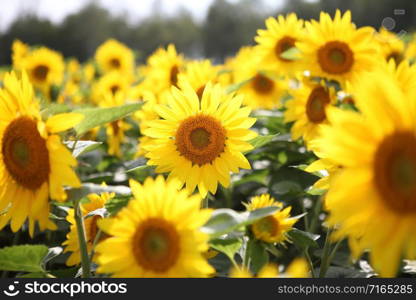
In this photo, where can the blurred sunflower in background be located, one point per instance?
(45, 68)
(156, 235)
(114, 56)
(36, 165)
(335, 49)
(201, 141)
(307, 109)
(391, 46)
(281, 34)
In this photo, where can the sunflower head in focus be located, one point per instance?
(156, 235)
(35, 164)
(273, 228)
(200, 141)
(94, 203)
(372, 199)
(281, 34)
(307, 109)
(335, 49)
(114, 56)
(45, 68)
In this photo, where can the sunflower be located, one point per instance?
(115, 130)
(336, 49)
(96, 202)
(262, 89)
(308, 109)
(114, 56)
(45, 68)
(110, 83)
(281, 34)
(162, 70)
(372, 198)
(35, 163)
(273, 228)
(201, 141)
(198, 74)
(326, 169)
(156, 235)
(391, 46)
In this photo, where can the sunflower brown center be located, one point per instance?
(115, 126)
(262, 84)
(40, 72)
(115, 63)
(336, 57)
(114, 89)
(156, 245)
(283, 45)
(174, 71)
(315, 106)
(395, 171)
(25, 154)
(200, 139)
(267, 224)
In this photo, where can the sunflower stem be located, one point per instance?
(85, 261)
(309, 260)
(326, 255)
(96, 239)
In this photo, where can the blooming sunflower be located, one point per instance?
(35, 164)
(91, 228)
(114, 56)
(308, 109)
(163, 68)
(372, 198)
(391, 46)
(262, 90)
(45, 67)
(336, 49)
(156, 235)
(281, 35)
(110, 83)
(201, 141)
(273, 228)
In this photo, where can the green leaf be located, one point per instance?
(98, 116)
(258, 255)
(23, 258)
(303, 239)
(316, 192)
(91, 188)
(52, 253)
(53, 109)
(140, 168)
(235, 87)
(286, 186)
(226, 220)
(227, 246)
(82, 146)
(115, 204)
(33, 275)
(261, 140)
(291, 54)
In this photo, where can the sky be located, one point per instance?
(56, 10)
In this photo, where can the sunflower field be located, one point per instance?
(294, 158)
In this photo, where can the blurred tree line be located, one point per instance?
(225, 29)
